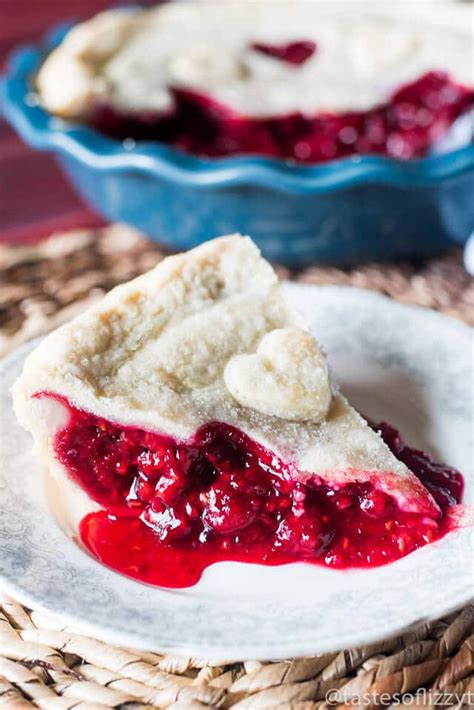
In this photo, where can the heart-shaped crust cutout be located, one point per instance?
(287, 377)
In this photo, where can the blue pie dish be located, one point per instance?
(344, 212)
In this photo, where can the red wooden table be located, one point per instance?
(35, 198)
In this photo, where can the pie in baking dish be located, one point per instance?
(303, 79)
(198, 415)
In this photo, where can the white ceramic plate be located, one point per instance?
(406, 365)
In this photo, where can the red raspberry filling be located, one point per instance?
(173, 508)
(415, 117)
(291, 52)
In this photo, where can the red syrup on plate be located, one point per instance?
(174, 508)
(416, 116)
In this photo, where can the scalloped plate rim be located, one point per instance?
(271, 648)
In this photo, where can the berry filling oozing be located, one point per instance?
(416, 116)
(172, 508)
(291, 52)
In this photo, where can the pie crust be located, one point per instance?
(131, 58)
(208, 336)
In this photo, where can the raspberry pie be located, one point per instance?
(198, 415)
(305, 80)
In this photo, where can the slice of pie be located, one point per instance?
(198, 415)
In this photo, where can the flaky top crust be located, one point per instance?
(156, 353)
(131, 58)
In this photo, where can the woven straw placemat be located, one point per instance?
(44, 665)
(43, 285)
